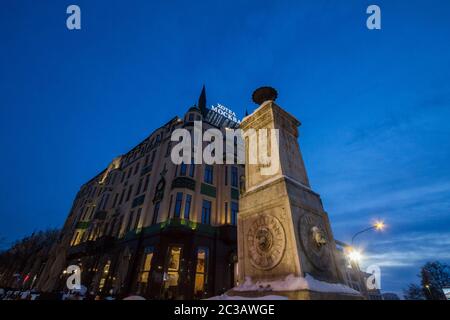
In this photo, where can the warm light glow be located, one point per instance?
(379, 225)
(355, 255)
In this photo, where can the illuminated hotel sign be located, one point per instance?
(221, 116)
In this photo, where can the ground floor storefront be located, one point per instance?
(173, 260)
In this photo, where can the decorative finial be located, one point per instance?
(264, 94)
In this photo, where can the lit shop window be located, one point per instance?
(76, 238)
(201, 271)
(104, 275)
(144, 274)
(172, 276)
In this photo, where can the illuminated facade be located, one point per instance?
(149, 227)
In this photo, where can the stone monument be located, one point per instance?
(283, 230)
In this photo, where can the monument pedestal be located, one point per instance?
(283, 229)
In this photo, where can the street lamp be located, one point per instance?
(355, 255)
(378, 226)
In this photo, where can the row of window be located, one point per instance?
(205, 213)
(135, 217)
(208, 176)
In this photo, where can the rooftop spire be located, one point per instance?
(202, 101)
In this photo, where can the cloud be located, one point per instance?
(398, 198)
(401, 256)
(410, 251)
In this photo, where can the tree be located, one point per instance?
(21, 256)
(434, 276)
(414, 292)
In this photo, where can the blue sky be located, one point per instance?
(374, 105)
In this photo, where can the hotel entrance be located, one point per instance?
(171, 276)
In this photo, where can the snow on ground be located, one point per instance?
(292, 283)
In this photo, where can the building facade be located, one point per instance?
(147, 226)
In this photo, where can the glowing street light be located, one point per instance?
(378, 226)
(355, 255)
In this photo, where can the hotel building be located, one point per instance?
(149, 227)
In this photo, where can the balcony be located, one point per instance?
(181, 224)
(83, 224)
(138, 201)
(100, 215)
(183, 182)
(208, 190)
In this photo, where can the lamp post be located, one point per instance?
(378, 226)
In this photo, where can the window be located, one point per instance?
(191, 117)
(146, 266)
(119, 226)
(153, 156)
(147, 179)
(183, 169)
(103, 201)
(139, 186)
(138, 218)
(129, 223)
(155, 213)
(76, 238)
(121, 196)
(226, 212)
(106, 201)
(115, 200)
(226, 175)
(206, 212)
(234, 176)
(187, 206)
(173, 268)
(192, 168)
(201, 272)
(170, 205)
(147, 158)
(169, 148)
(105, 229)
(178, 201)
(130, 189)
(129, 173)
(136, 169)
(234, 212)
(208, 174)
(104, 275)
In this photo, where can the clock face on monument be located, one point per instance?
(314, 240)
(266, 241)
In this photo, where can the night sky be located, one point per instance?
(374, 105)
